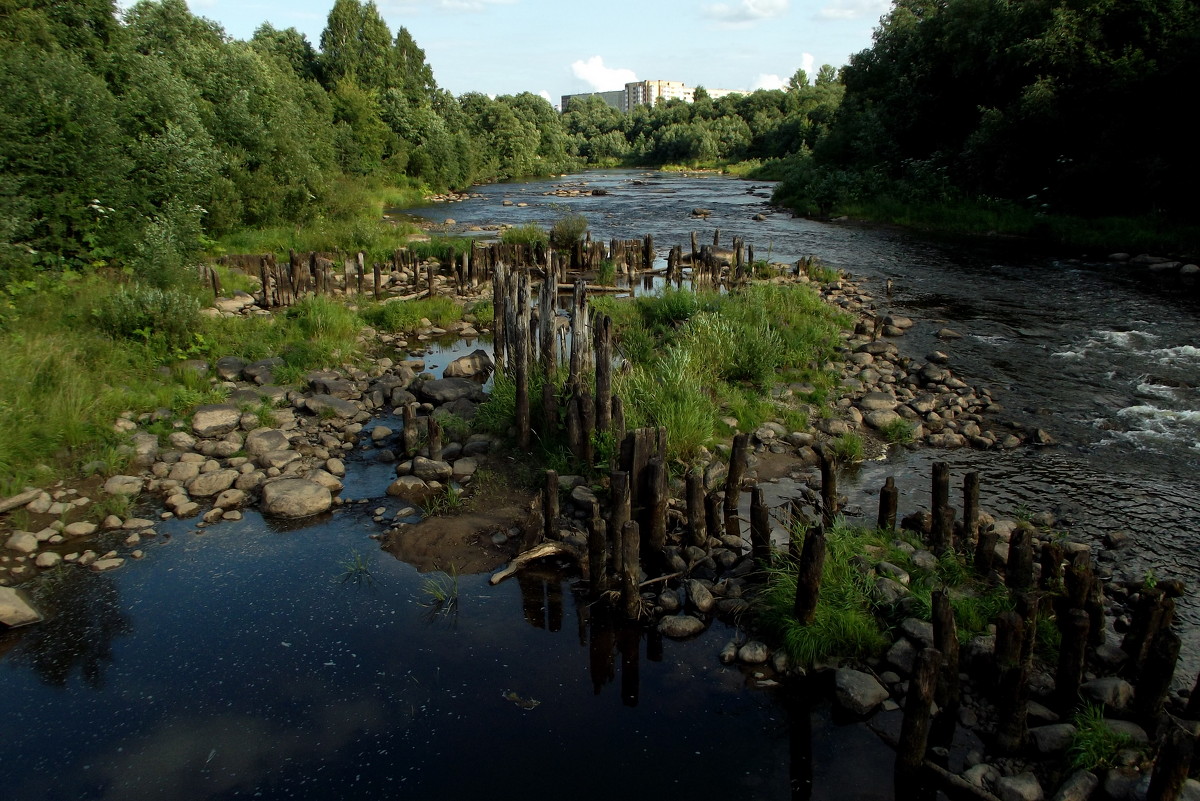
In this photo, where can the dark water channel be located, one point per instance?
(238, 663)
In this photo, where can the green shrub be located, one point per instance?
(567, 230)
(898, 431)
(1096, 744)
(530, 234)
(848, 447)
(607, 274)
(144, 313)
(321, 318)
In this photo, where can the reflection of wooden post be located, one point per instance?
(808, 578)
(914, 729)
(631, 573)
(550, 508)
(733, 483)
(760, 526)
(889, 498)
(695, 508)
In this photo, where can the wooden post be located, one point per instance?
(435, 438)
(829, 490)
(889, 498)
(360, 270)
(942, 537)
(1018, 573)
(579, 326)
(970, 508)
(521, 362)
(378, 280)
(985, 551)
(574, 426)
(618, 418)
(550, 508)
(618, 516)
(1172, 765)
(1012, 682)
(499, 312)
(918, 711)
(656, 505)
(695, 508)
(648, 252)
(808, 577)
(549, 409)
(1154, 611)
(733, 483)
(945, 639)
(716, 238)
(760, 526)
(1051, 560)
(1154, 683)
(603, 347)
(630, 592)
(411, 436)
(587, 427)
(597, 552)
(713, 519)
(546, 320)
(695, 256)
(1072, 653)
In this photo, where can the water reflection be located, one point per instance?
(84, 615)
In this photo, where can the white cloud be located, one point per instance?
(452, 6)
(765, 81)
(854, 9)
(807, 62)
(602, 78)
(546, 95)
(471, 5)
(745, 12)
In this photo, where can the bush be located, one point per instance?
(567, 230)
(531, 234)
(170, 317)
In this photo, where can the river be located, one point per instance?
(241, 662)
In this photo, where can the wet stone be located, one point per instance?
(680, 626)
(858, 692)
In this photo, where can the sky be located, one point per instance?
(557, 47)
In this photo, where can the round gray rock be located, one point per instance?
(858, 692)
(295, 497)
(216, 420)
(679, 627)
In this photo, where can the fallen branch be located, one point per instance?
(542, 551)
(19, 500)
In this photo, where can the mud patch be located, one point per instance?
(463, 542)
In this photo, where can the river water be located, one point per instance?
(241, 662)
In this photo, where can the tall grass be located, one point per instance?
(406, 315)
(845, 623)
(529, 234)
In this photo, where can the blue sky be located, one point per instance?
(564, 46)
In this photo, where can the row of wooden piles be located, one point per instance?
(1067, 590)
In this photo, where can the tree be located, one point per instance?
(357, 44)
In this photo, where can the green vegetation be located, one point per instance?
(406, 315)
(356, 569)
(850, 621)
(897, 432)
(449, 501)
(1011, 117)
(848, 448)
(531, 234)
(440, 590)
(698, 357)
(1096, 744)
(568, 230)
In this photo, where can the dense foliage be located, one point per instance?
(1062, 106)
(128, 139)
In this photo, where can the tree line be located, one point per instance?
(133, 138)
(1061, 106)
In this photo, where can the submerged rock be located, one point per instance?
(16, 609)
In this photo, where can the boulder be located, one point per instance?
(216, 420)
(858, 692)
(22, 542)
(754, 653)
(328, 405)
(448, 390)
(410, 489)
(1053, 739)
(1079, 786)
(699, 595)
(431, 470)
(469, 366)
(16, 609)
(1111, 691)
(295, 497)
(325, 479)
(881, 418)
(123, 485)
(877, 401)
(679, 627)
(80, 529)
(104, 565)
(207, 485)
(265, 440)
(229, 368)
(464, 469)
(1022, 787)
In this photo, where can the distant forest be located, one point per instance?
(137, 137)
